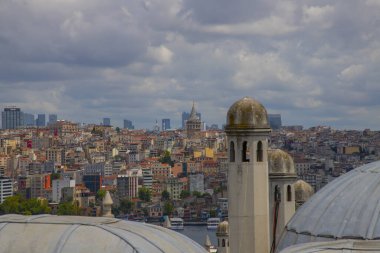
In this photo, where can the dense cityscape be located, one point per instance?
(151, 173)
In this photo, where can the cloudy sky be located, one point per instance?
(315, 62)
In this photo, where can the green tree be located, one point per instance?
(184, 194)
(126, 206)
(165, 195)
(168, 208)
(145, 194)
(165, 158)
(19, 205)
(101, 194)
(68, 208)
(118, 130)
(197, 194)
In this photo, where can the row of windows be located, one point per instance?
(246, 152)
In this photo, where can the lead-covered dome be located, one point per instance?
(61, 234)
(247, 113)
(222, 229)
(280, 162)
(346, 208)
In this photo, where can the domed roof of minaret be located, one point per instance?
(303, 191)
(222, 229)
(280, 162)
(247, 113)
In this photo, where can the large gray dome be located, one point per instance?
(347, 208)
(48, 233)
(247, 113)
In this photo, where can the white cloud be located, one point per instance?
(160, 54)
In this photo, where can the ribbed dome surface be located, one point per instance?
(348, 207)
(67, 234)
(247, 113)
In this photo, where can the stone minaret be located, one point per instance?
(247, 131)
(282, 176)
(223, 239)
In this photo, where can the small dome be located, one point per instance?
(280, 162)
(222, 229)
(303, 191)
(247, 113)
(50, 233)
(347, 207)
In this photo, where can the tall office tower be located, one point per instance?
(6, 188)
(106, 121)
(29, 119)
(275, 121)
(52, 119)
(165, 124)
(128, 124)
(12, 118)
(41, 121)
(186, 116)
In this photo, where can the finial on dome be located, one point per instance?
(107, 205)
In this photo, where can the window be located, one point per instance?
(259, 151)
(223, 243)
(218, 243)
(289, 193)
(232, 152)
(245, 152)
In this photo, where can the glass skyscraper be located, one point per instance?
(12, 118)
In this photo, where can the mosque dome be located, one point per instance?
(280, 162)
(66, 234)
(247, 113)
(222, 229)
(303, 191)
(346, 208)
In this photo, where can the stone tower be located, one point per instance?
(282, 176)
(247, 132)
(193, 124)
(223, 239)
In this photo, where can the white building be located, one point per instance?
(6, 189)
(57, 187)
(128, 184)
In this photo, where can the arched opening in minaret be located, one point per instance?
(223, 243)
(232, 152)
(245, 152)
(218, 243)
(289, 193)
(259, 152)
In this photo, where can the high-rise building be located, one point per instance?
(12, 118)
(106, 121)
(52, 119)
(128, 124)
(275, 121)
(29, 119)
(41, 120)
(186, 116)
(6, 188)
(165, 124)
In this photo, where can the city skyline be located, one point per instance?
(312, 62)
